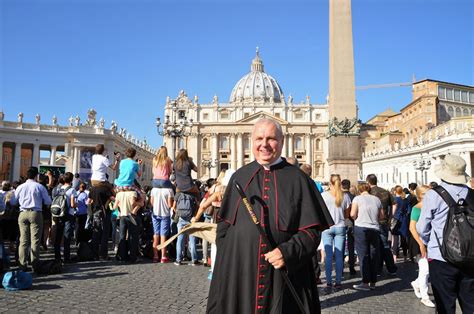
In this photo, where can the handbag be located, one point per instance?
(395, 225)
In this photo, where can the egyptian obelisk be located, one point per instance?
(344, 128)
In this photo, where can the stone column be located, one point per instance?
(240, 148)
(252, 157)
(76, 161)
(284, 150)
(214, 154)
(233, 152)
(309, 151)
(290, 145)
(52, 157)
(17, 162)
(194, 151)
(36, 156)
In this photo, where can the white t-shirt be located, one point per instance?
(368, 211)
(99, 167)
(160, 201)
(337, 213)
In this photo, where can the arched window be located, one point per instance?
(458, 112)
(465, 112)
(451, 111)
(472, 112)
(205, 144)
(298, 143)
(317, 168)
(318, 144)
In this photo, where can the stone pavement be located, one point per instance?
(165, 288)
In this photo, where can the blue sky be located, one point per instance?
(124, 57)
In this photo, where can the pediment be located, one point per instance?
(261, 114)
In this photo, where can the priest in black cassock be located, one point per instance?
(246, 276)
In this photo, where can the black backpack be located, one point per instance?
(185, 205)
(458, 233)
(59, 205)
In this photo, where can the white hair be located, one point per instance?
(265, 120)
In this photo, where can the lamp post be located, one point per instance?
(209, 163)
(422, 165)
(178, 127)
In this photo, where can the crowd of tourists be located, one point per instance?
(382, 227)
(45, 212)
(369, 225)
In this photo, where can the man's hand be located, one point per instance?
(193, 219)
(275, 258)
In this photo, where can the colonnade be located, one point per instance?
(16, 162)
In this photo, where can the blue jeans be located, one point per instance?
(159, 183)
(334, 236)
(180, 245)
(367, 243)
(64, 227)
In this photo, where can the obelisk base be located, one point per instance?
(344, 157)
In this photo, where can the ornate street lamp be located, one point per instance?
(209, 163)
(177, 128)
(422, 165)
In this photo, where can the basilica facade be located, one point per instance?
(221, 131)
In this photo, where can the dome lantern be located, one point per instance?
(257, 86)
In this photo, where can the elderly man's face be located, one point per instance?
(267, 143)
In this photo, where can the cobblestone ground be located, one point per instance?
(165, 288)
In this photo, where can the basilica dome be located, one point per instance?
(257, 86)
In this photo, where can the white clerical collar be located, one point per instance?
(267, 166)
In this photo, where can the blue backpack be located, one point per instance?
(17, 280)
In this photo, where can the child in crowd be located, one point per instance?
(129, 171)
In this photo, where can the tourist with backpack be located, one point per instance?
(31, 196)
(63, 209)
(185, 207)
(450, 246)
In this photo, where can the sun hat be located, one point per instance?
(452, 169)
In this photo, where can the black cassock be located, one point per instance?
(293, 215)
